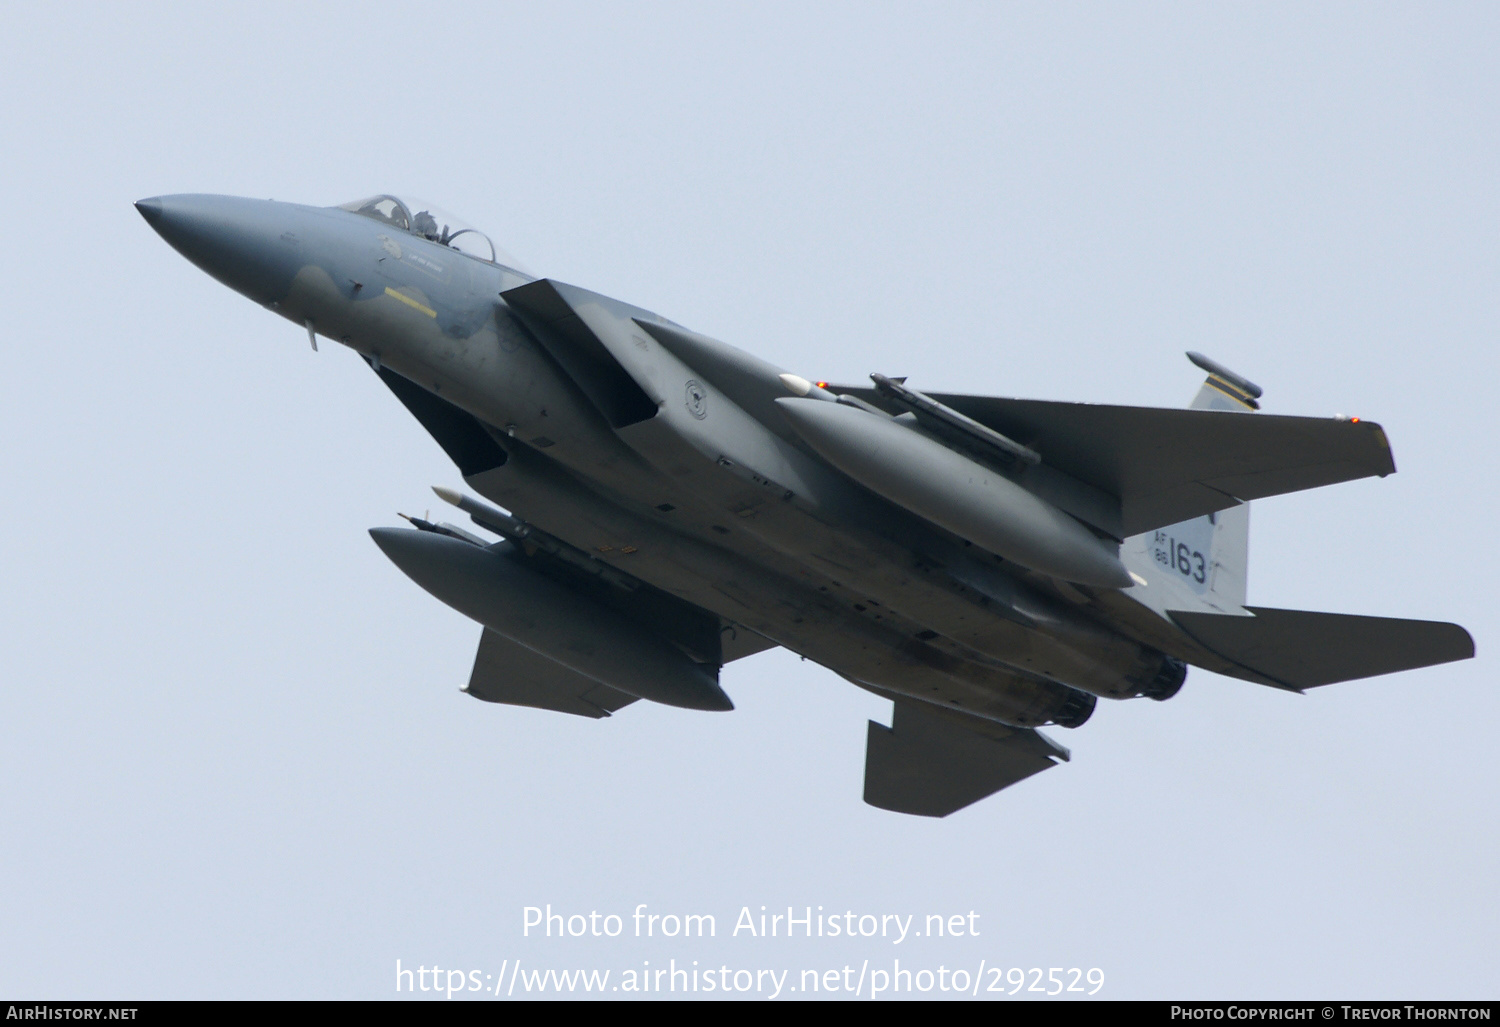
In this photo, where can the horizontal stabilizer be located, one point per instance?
(928, 762)
(1300, 649)
(507, 672)
(1167, 466)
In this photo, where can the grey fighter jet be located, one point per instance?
(671, 504)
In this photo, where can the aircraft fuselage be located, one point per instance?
(744, 523)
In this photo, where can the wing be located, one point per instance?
(932, 761)
(1300, 649)
(1124, 470)
(1166, 466)
(506, 672)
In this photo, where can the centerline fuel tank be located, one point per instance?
(490, 586)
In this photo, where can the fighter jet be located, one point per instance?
(658, 504)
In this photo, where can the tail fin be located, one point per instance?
(1223, 389)
(1200, 564)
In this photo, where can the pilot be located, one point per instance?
(424, 224)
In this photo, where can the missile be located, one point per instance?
(483, 514)
(492, 586)
(974, 502)
(800, 386)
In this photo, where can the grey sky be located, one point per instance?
(235, 762)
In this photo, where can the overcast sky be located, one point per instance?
(234, 760)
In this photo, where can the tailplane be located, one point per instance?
(1195, 574)
(1299, 649)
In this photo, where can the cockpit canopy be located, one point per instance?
(419, 218)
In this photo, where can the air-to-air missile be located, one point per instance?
(673, 504)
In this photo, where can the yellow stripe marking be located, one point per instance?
(1220, 385)
(393, 294)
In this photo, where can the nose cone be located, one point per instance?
(150, 210)
(252, 246)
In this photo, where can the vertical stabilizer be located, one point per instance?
(1200, 564)
(1223, 389)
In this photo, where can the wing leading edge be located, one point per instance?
(1166, 465)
